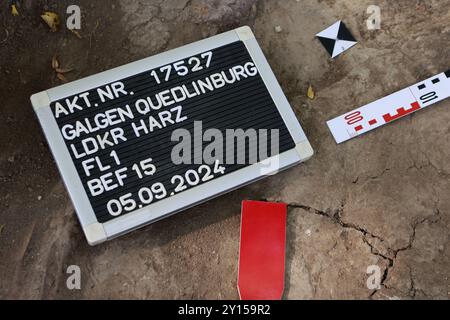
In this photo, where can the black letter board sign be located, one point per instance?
(145, 140)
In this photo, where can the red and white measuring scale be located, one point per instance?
(390, 108)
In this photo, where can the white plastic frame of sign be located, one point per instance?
(97, 232)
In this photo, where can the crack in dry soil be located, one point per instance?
(336, 217)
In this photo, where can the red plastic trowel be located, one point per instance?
(262, 250)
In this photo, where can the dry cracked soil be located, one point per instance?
(380, 200)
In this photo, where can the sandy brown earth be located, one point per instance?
(382, 199)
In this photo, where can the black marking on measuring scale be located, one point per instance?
(447, 73)
(244, 104)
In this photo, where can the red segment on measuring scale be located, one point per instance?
(390, 108)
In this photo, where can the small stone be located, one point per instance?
(39, 198)
(308, 232)
(278, 29)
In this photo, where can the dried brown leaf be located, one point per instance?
(55, 62)
(51, 19)
(62, 70)
(311, 94)
(61, 77)
(14, 11)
